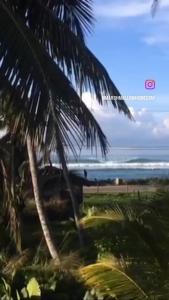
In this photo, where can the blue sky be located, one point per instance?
(134, 47)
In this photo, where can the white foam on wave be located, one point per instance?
(116, 165)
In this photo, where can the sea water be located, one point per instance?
(125, 163)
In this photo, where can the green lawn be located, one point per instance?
(103, 200)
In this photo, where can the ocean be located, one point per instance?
(125, 163)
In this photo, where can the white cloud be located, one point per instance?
(148, 129)
(156, 39)
(166, 123)
(162, 130)
(123, 9)
(127, 8)
(97, 109)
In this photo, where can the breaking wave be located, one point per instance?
(131, 164)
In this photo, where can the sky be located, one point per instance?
(134, 47)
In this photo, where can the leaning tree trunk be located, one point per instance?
(74, 201)
(60, 150)
(38, 202)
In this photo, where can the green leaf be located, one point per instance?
(7, 286)
(100, 218)
(24, 293)
(18, 296)
(141, 222)
(33, 288)
(108, 280)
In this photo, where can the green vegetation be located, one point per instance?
(125, 255)
(105, 200)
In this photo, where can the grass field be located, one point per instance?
(103, 200)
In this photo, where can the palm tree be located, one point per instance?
(10, 159)
(43, 62)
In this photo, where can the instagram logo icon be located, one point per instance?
(150, 84)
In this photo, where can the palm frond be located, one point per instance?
(16, 262)
(101, 218)
(75, 59)
(77, 14)
(109, 280)
(69, 264)
(34, 79)
(144, 225)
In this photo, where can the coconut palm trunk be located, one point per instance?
(60, 150)
(74, 201)
(39, 205)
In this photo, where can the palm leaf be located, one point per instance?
(74, 58)
(17, 263)
(144, 224)
(101, 218)
(77, 14)
(33, 80)
(108, 280)
(33, 288)
(77, 60)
